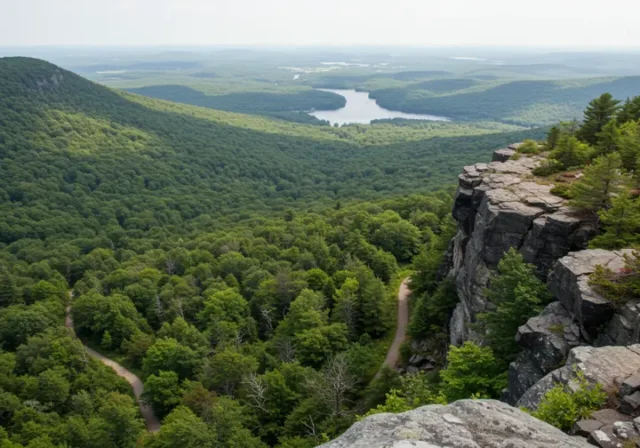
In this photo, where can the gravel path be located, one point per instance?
(150, 419)
(393, 355)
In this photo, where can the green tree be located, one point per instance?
(432, 311)
(53, 387)
(608, 138)
(400, 238)
(596, 116)
(472, 371)
(629, 145)
(162, 392)
(621, 223)
(571, 152)
(168, 354)
(630, 110)
(517, 295)
(601, 181)
(225, 370)
(122, 422)
(563, 407)
(553, 137)
(184, 429)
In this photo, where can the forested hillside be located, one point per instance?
(536, 103)
(230, 261)
(290, 106)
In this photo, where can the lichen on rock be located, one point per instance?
(463, 424)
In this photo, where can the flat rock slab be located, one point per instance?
(463, 424)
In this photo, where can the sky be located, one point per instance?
(545, 23)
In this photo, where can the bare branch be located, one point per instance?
(256, 391)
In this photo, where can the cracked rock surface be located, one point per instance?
(499, 205)
(463, 424)
(609, 366)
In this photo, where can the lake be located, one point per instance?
(362, 109)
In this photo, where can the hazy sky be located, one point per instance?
(585, 23)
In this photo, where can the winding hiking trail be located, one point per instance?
(150, 419)
(393, 355)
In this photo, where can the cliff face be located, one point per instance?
(498, 206)
(501, 205)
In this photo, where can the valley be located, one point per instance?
(266, 247)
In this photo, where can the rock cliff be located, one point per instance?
(463, 424)
(498, 206)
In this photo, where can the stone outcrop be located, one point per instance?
(498, 206)
(463, 424)
(546, 341)
(610, 366)
(581, 316)
(569, 283)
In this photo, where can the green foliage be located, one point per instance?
(621, 223)
(162, 391)
(562, 406)
(570, 152)
(205, 245)
(526, 102)
(601, 181)
(562, 190)
(553, 137)
(529, 147)
(597, 114)
(619, 286)
(548, 167)
(472, 371)
(630, 110)
(628, 145)
(182, 428)
(431, 312)
(517, 295)
(276, 105)
(414, 391)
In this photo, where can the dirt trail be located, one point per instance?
(150, 419)
(393, 355)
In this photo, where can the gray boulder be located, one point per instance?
(463, 424)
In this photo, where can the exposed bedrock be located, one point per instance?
(463, 424)
(499, 205)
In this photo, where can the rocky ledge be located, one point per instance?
(581, 316)
(463, 424)
(499, 205)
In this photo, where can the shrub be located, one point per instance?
(621, 285)
(562, 190)
(529, 147)
(562, 407)
(548, 167)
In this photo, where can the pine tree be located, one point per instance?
(608, 138)
(571, 152)
(553, 137)
(621, 223)
(601, 181)
(630, 110)
(596, 116)
(9, 293)
(629, 145)
(517, 295)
